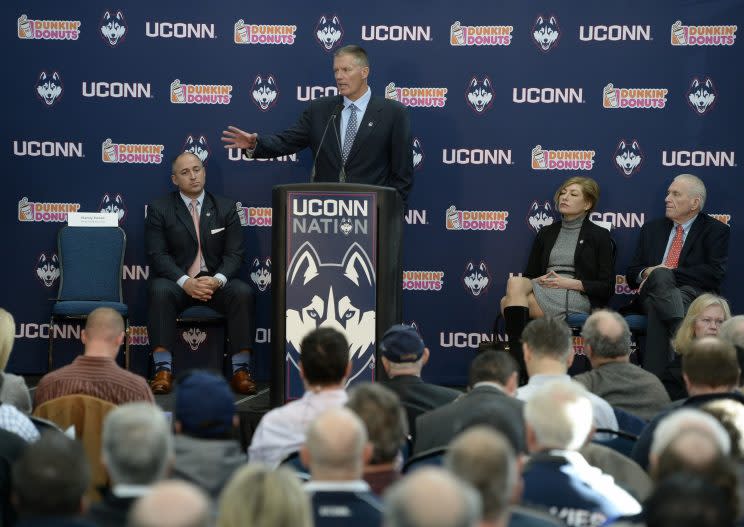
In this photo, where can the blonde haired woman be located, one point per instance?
(570, 268)
(14, 390)
(261, 497)
(703, 319)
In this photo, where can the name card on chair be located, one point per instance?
(92, 219)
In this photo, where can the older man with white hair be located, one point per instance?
(678, 258)
(558, 420)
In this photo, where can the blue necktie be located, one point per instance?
(351, 130)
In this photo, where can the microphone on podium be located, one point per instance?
(331, 119)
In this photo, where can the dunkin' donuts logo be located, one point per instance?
(181, 93)
(44, 211)
(622, 287)
(475, 220)
(131, 153)
(562, 159)
(643, 98)
(254, 216)
(480, 35)
(417, 97)
(270, 34)
(423, 280)
(682, 35)
(48, 29)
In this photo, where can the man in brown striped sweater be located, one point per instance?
(96, 372)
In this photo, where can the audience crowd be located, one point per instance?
(651, 435)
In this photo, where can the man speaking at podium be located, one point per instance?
(355, 137)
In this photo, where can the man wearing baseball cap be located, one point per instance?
(403, 357)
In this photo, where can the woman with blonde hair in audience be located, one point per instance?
(261, 497)
(703, 319)
(14, 390)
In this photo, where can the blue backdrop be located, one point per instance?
(507, 99)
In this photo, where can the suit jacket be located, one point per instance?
(170, 237)
(484, 404)
(418, 396)
(381, 154)
(594, 259)
(704, 256)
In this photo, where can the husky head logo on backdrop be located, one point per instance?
(264, 92)
(418, 153)
(49, 87)
(476, 279)
(47, 269)
(329, 31)
(480, 94)
(113, 27)
(199, 148)
(546, 32)
(332, 295)
(261, 273)
(540, 216)
(194, 337)
(115, 205)
(701, 95)
(628, 157)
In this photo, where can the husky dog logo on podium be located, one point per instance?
(336, 295)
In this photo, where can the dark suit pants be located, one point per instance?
(665, 304)
(167, 299)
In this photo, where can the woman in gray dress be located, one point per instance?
(570, 268)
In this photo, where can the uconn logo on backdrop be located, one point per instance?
(548, 95)
(620, 220)
(476, 156)
(396, 33)
(310, 93)
(48, 149)
(178, 30)
(117, 90)
(698, 158)
(460, 339)
(614, 33)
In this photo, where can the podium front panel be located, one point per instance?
(331, 261)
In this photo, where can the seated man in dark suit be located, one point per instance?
(403, 357)
(678, 258)
(191, 266)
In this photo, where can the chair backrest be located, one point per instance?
(427, 458)
(628, 422)
(86, 414)
(91, 263)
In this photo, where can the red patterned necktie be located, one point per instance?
(672, 259)
(196, 265)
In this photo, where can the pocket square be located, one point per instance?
(215, 231)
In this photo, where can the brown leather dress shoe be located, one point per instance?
(243, 383)
(162, 382)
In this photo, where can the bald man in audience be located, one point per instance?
(171, 504)
(432, 497)
(484, 458)
(613, 377)
(96, 372)
(336, 450)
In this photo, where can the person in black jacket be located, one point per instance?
(570, 268)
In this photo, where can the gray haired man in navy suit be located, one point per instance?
(678, 258)
(355, 137)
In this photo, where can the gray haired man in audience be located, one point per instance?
(137, 451)
(432, 497)
(732, 331)
(613, 377)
